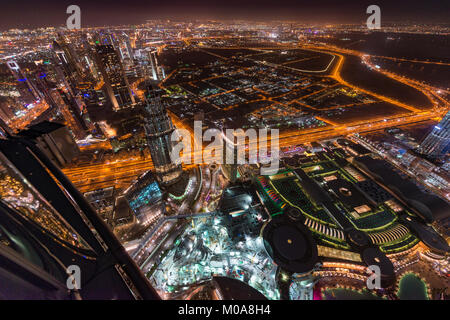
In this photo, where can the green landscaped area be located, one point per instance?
(284, 189)
(288, 189)
(374, 220)
(411, 287)
(401, 245)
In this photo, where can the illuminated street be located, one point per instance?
(257, 151)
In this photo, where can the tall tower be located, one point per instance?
(151, 56)
(437, 142)
(64, 101)
(231, 169)
(116, 84)
(159, 128)
(157, 70)
(129, 48)
(69, 62)
(69, 110)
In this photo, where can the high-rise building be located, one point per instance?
(54, 140)
(128, 47)
(28, 92)
(230, 169)
(437, 143)
(159, 128)
(69, 62)
(49, 231)
(152, 58)
(144, 197)
(157, 70)
(116, 84)
(107, 38)
(74, 112)
(65, 104)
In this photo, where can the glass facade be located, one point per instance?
(17, 193)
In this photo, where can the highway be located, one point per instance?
(118, 174)
(121, 173)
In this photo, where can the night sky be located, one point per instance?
(38, 13)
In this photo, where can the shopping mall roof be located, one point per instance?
(428, 206)
(290, 245)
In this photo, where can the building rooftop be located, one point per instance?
(428, 206)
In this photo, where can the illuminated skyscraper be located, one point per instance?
(128, 47)
(157, 70)
(28, 92)
(153, 63)
(64, 102)
(437, 142)
(231, 169)
(145, 199)
(69, 62)
(116, 84)
(159, 128)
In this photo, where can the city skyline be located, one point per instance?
(100, 13)
(215, 159)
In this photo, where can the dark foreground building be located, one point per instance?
(49, 231)
(55, 140)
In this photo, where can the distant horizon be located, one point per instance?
(323, 24)
(28, 14)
